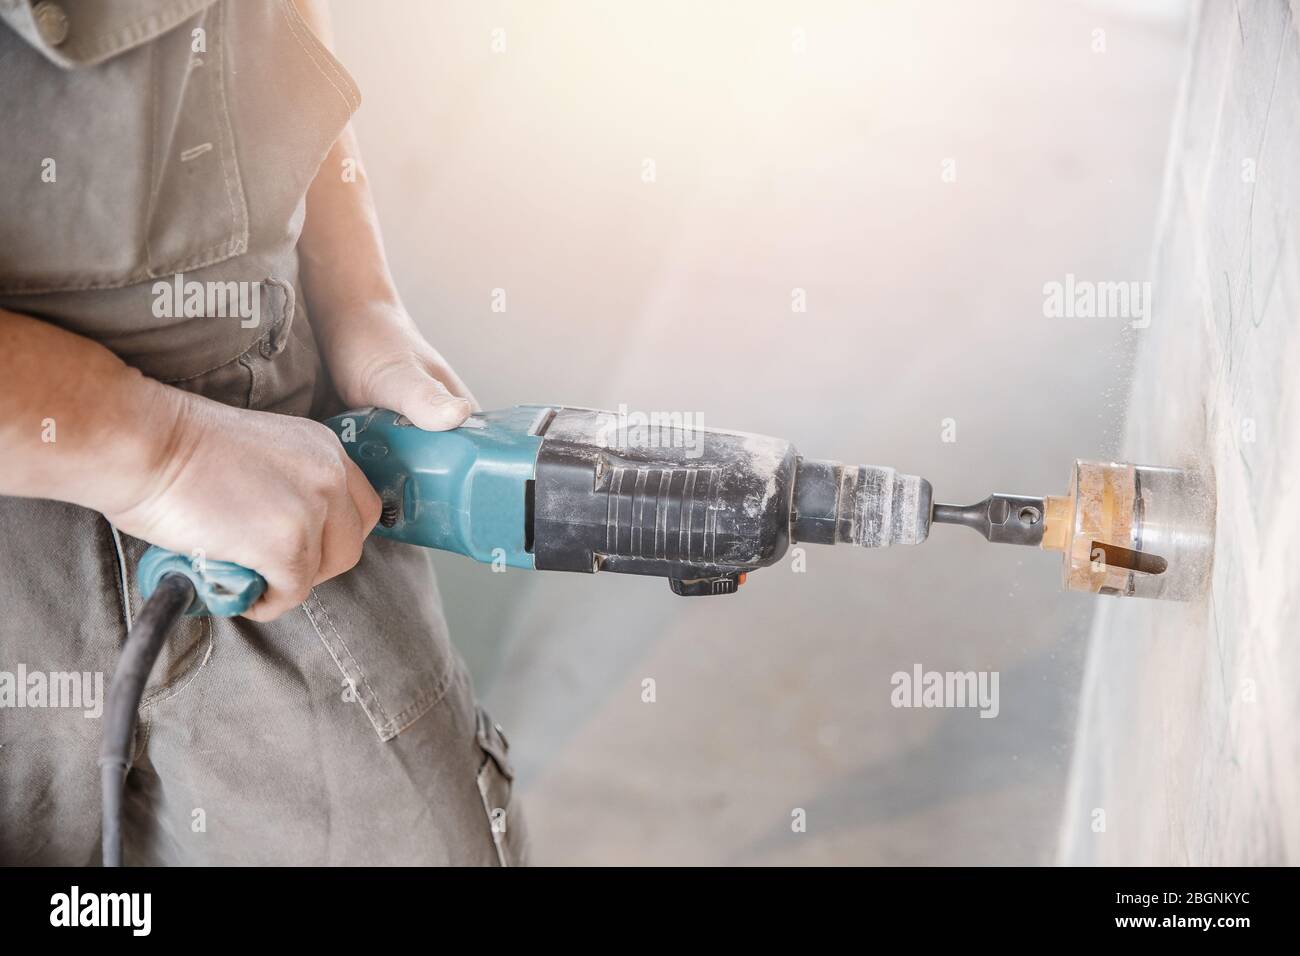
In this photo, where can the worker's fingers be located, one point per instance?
(351, 518)
(364, 496)
(432, 407)
(445, 374)
(290, 576)
(408, 388)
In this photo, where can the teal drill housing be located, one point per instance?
(463, 490)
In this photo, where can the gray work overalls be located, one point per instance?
(138, 140)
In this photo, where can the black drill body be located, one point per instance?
(699, 506)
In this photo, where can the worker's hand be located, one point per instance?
(376, 356)
(273, 493)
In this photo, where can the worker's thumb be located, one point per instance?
(420, 397)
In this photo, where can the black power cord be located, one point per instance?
(172, 597)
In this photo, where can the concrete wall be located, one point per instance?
(1187, 746)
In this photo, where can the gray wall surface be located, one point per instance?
(1187, 736)
(794, 146)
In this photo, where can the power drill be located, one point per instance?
(557, 488)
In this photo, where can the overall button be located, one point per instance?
(51, 21)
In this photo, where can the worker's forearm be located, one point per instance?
(375, 353)
(271, 492)
(76, 423)
(345, 271)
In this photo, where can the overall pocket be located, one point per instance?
(120, 172)
(382, 624)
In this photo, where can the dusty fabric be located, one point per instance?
(346, 732)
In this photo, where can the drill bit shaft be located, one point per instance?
(1002, 519)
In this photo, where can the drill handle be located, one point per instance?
(221, 589)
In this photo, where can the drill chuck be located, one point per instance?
(866, 505)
